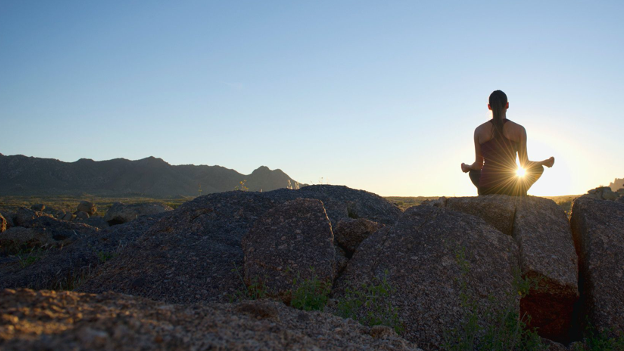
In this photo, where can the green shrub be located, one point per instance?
(370, 304)
(27, 257)
(601, 341)
(310, 294)
(254, 291)
(503, 329)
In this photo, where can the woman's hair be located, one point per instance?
(498, 103)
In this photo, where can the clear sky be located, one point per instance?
(376, 95)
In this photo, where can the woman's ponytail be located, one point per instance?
(498, 103)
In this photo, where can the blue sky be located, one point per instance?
(381, 96)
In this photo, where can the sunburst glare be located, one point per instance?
(520, 172)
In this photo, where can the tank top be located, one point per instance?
(498, 175)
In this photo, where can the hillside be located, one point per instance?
(151, 177)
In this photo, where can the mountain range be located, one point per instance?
(150, 177)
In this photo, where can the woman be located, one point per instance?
(497, 142)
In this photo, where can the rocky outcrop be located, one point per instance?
(426, 257)
(341, 202)
(44, 232)
(349, 233)
(497, 210)
(121, 213)
(67, 265)
(291, 242)
(603, 193)
(598, 228)
(88, 207)
(547, 256)
(49, 320)
(193, 254)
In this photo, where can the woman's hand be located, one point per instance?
(465, 168)
(549, 162)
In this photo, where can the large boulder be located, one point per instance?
(349, 233)
(121, 213)
(341, 202)
(497, 210)
(88, 207)
(65, 320)
(598, 228)
(547, 256)
(291, 242)
(192, 254)
(431, 257)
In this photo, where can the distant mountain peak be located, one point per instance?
(150, 177)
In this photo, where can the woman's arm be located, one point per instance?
(524, 157)
(478, 163)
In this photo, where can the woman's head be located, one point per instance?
(498, 104)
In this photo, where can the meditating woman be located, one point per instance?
(497, 142)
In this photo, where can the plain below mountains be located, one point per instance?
(149, 177)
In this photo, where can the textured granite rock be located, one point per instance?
(291, 241)
(342, 202)
(67, 265)
(497, 210)
(194, 253)
(422, 257)
(44, 232)
(598, 229)
(190, 255)
(547, 255)
(121, 213)
(64, 320)
(349, 233)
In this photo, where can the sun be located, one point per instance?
(520, 172)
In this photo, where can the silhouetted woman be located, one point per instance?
(497, 142)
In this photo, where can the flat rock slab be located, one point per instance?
(598, 228)
(542, 232)
(547, 255)
(291, 241)
(64, 320)
(424, 256)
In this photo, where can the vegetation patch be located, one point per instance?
(310, 294)
(503, 329)
(370, 304)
